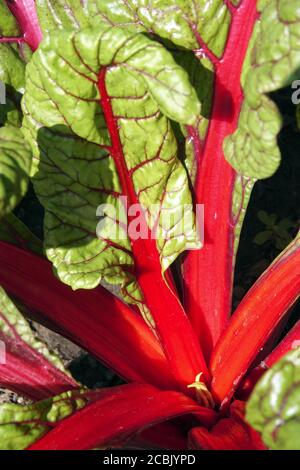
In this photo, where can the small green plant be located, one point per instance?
(277, 231)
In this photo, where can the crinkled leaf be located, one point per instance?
(28, 367)
(140, 63)
(62, 14)
(185, 23)
(15, 162)
(13, 231)
(20, 425)
(12, 68)
(8, 24)
(12, 76)
(273, 56)
(73, 175)
(274, 406)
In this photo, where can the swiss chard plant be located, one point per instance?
(128, 116)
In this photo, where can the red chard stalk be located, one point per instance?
(25, 13)
(209, 271)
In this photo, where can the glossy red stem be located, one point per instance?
(172, 325)
(96, 320)
(208, 273)
(25, 13)
(128, 410)
(29, 374)
(253, 323)
(227, 434)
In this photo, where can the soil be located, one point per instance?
(66, 350)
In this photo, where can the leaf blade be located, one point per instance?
(136, 120)
(21, 426)
(273, 408)
(15, 163)
(252, 150)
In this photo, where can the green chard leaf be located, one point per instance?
(62, 14)
(12, 76)
(21, 425)
(184, 23)
(274, 406)
(15, 162)
(12, 68)
(273, 56)
(74, 171)
(8, 23)
(15, 154)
